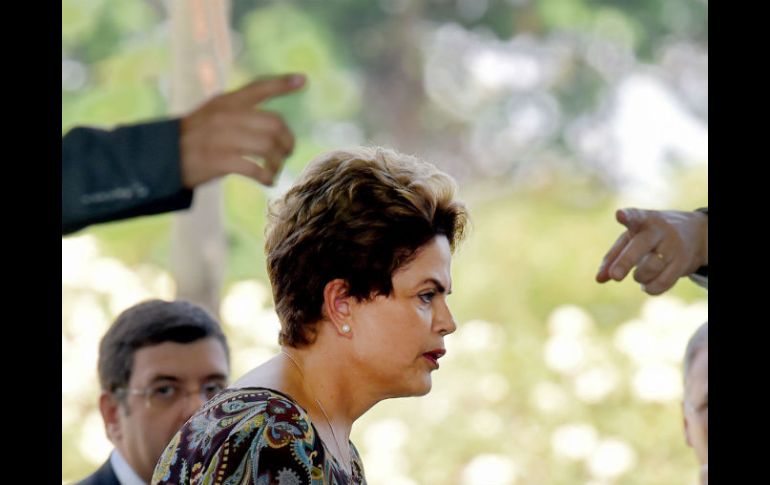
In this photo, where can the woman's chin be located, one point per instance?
(420, 388)
(415, 387)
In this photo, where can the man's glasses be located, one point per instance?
(166, 395)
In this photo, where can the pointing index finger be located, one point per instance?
(262, 89)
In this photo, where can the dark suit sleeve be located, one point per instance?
(126, 172)
(105, 475)
(701, 276)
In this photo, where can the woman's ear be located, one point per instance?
(337, 306)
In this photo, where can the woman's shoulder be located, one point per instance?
(248, 410)
(243, 433)
(246, 400)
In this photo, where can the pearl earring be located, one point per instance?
(345, 328)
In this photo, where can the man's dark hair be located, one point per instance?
(150, 323)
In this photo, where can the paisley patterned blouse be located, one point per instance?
(256, 436)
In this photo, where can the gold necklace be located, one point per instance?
(320, 406)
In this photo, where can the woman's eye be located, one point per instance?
(427, 297)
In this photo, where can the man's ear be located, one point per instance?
(110, 409)
(338, 306)
(686, 425)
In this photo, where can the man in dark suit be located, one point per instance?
(103, 476)
(158, 363)
(153, 167)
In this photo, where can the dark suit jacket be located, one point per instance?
(126, 172)
(103, 476)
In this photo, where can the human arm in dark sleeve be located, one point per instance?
(153, 167)
(108, 175)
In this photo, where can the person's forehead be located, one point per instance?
(698, 372)
(432, 260)
(192, 360)
(701, 360)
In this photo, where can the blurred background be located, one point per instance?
(550, 114)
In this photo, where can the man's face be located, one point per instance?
(696, 407)
(169, 382)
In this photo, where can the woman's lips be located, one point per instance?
(434, 355)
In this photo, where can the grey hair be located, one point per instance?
(698, 340)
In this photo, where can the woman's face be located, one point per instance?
(398, 339)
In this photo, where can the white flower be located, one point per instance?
(611, 458)
(93, 444)
(565, 354)
(489, 469)
(76, 254)
(575, 441)
(493, 387)
(243, 308)
(549, 397)
(658, 383)
(570, 321)
(386, 434)
(478, 336)
(243, 301)
(596, 383)
(383, 441)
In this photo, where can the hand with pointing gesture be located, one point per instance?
(662, 245)
(217, 136)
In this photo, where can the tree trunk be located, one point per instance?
(200, 61)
